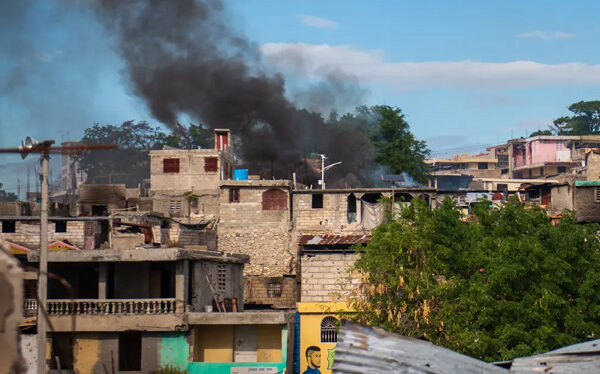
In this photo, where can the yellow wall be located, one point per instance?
(86, 352)
(213, 343)
(311, 315)
(268, 342)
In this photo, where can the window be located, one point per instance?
(597, 194)
(211, 164)
(482, 165)
(351, 208)
(8, 227)
(234, 195)
(274, 289)
(175, 205)
(171, 165)
(329, 330)
(274, 199)
(130, 351)
(561, 169)
(317, 200)
(60, 226)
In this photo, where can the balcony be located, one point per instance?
(92, 307)
(30, 307)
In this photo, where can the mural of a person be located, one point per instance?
(313, 360)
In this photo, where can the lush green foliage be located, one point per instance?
(505, 285)
(541, 132)
(130, 163)
(584, 121)
(395, 146)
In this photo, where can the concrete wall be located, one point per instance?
(588, 210)
(325, 277)
(29, 352)
(27, 233)
(114, 196)
(332, 218)
(98, 353)
(593, 166)
(561, 198)
(225, 278)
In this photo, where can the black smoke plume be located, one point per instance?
(183, 57)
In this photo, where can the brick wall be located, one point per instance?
(27, 234)
(325, 277)
(279, 292)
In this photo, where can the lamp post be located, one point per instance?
(324, 168)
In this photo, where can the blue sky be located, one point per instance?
(467, 74)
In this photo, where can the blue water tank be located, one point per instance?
(240, 174)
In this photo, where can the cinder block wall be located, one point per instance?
(326, 277)
(263, 290)
(331, 219)
(27, 234)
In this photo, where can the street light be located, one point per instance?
(323, 168)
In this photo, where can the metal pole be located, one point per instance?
(322, 172)
(43, 278)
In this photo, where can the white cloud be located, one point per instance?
(318, 22)
(537, 34)
(316, 61)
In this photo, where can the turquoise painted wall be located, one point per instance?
(174, 350)
(225, 367)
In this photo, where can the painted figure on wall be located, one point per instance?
(313, 360)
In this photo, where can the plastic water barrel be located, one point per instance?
(240, 174)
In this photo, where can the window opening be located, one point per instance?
(482, 165)
(317, 200)
(274, 289)
(130, 351)
(351, 208)
(8, 226)
(171, 165)
(60, 226)
(234, 195)
(561, 169)
(222, 279)
(329, 330)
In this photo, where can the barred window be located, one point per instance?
(274, 289)
(329, 330)
(171, 165)
(234, 195)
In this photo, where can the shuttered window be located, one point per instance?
(597, 192)
(211, 164)
(171, 165)
(274, 199)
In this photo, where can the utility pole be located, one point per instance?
(29, 145)
(324, 168)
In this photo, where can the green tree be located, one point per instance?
(541, 132)
(395, 146)
(505, 285)
(584, 121)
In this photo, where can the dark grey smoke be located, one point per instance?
(182, 57)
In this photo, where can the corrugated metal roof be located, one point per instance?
(362, 349)
(307, 240)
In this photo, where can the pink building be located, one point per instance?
(540, 156)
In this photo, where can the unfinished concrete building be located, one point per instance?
(185, 183)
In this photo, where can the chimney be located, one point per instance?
(222, 139)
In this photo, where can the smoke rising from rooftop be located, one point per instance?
(182, 57)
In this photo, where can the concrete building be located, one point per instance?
(140, 310)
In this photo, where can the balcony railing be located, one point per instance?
(111, 307)
(30, 307)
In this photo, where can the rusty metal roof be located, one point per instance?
(329, 239)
